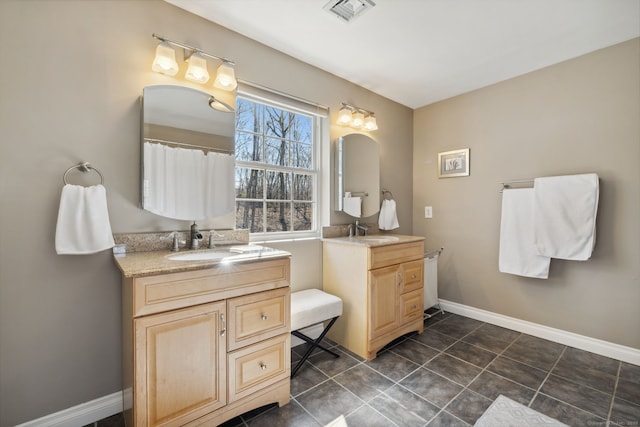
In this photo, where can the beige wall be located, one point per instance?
(579, 116)
(72, 74)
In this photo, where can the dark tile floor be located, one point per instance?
(448, 376)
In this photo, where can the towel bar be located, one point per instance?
(83, 167)
(507, 184)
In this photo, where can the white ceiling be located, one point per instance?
(417, 52)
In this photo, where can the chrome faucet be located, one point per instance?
(364, 228)
(196, 236)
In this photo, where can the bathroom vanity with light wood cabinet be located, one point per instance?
(380, 282)
(204, 342)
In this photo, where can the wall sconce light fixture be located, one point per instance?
(165, 63)
(356, 117)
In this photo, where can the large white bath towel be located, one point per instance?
(83, 225)
(388, 218)
(564, 216)
(518, 254)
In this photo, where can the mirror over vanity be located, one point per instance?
(187, 154)
(357, 178)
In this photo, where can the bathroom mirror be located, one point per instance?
(187, 154)
(358, 173)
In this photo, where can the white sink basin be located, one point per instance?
(200, 256)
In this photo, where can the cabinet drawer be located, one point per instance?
(256, 317)
(411, 306)
(395, 254)
(412, 276)
(154, 294)
(259, 365)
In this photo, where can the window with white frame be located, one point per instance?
(277, 166)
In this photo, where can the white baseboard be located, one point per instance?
(83, 414)
(603, 348)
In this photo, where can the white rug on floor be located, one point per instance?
(504, 412)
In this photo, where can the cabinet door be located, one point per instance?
(180, 359)
(383, 301)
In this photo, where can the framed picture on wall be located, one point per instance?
(453, 163)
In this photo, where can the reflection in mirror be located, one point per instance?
(187, 154)
(357, 175)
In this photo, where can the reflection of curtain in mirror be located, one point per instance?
(187, 184)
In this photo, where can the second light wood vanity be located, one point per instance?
(204, 341)
(380, 280)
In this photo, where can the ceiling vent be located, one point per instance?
(348, 10)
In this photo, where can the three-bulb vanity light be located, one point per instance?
(356, 117)
(225, 81)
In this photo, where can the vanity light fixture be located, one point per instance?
(197, 71)
(165, 62)
(356, 117)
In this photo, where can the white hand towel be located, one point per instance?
(388, 218)
(518, 254)
(83, 221)
(353, 206)
(564, 216)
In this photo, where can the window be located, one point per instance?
(277, 173)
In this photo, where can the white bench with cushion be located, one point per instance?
(308, 308)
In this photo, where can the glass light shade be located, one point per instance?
(197, 71)
(344, 117)
(358, 120)
(370, 123)
(225, 77)
(165, 60)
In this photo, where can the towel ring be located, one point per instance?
(83, 167)
(387, 195)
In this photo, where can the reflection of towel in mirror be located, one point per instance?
(83, 221)
(353, 206)
(388, 219)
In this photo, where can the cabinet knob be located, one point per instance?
(413, 307)
(263, 366)
(263, 317)
(413, 276)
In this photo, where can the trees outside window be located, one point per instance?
(275, 169)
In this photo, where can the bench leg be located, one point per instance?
(313, 345)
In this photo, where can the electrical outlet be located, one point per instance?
(428, 212)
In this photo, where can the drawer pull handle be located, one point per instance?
(413, 276)
(263, 366)
(263, 317)
(413, 307)
(224, 326)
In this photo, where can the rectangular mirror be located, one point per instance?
(187, 154)
(357, 161)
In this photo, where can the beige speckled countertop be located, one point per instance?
(158, 262)
(374, 240)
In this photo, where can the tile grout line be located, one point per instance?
(613, 395)
(443, 409)
(547, 377)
